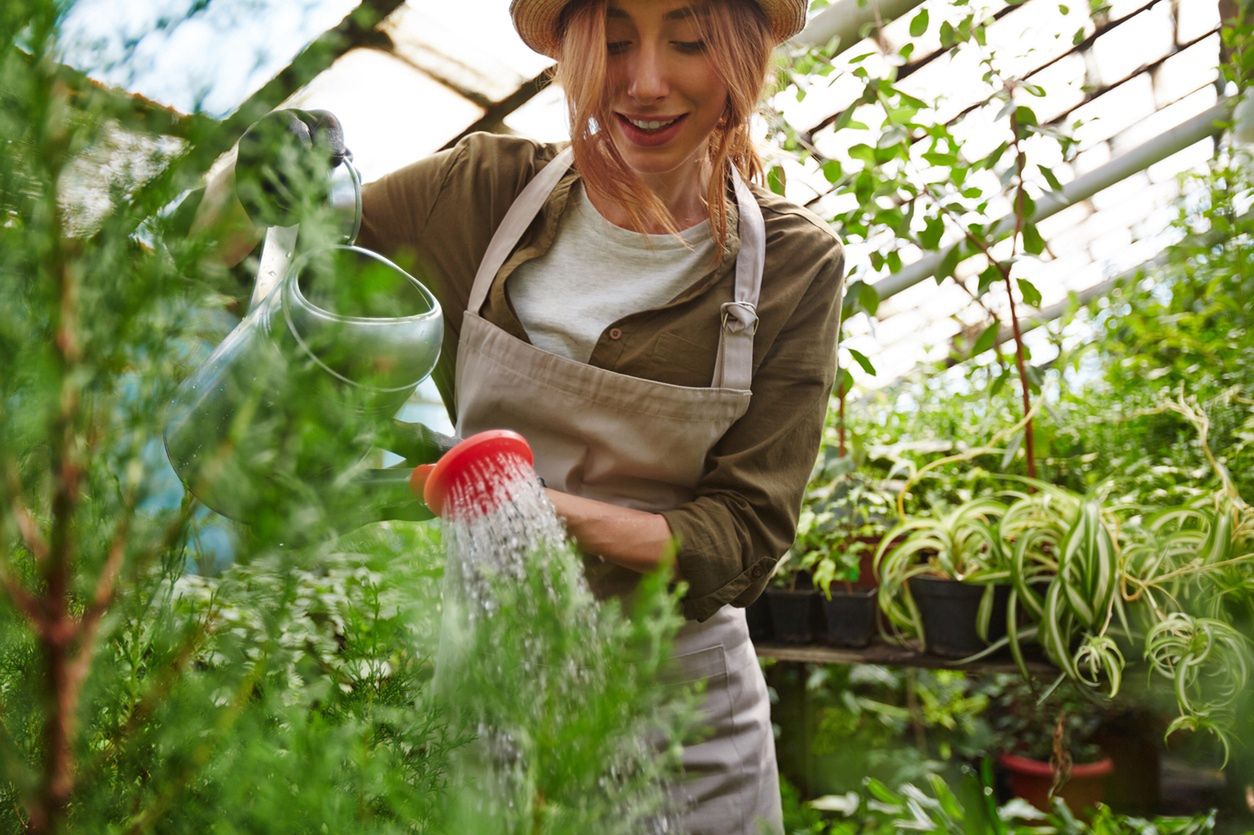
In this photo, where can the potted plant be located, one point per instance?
(946, 578)
(848, 606)
(1102, 584)
(1047, 746)
(843, 519)
(793, 602)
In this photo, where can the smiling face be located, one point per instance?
(665, 96)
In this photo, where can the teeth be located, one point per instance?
(650, 125)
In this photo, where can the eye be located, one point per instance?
(617, 47)
(689, 47)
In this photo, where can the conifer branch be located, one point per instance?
(106, 583)
(26, 603)
(12, 762)
(200, 755)
(148, 702)
(27, 527)
(62, 676)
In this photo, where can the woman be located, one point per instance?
(661, 333)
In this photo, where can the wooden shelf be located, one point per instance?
(892, 655)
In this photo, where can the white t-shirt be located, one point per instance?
(596, 273)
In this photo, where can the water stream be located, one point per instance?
(536, 671)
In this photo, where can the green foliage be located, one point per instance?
(574, 734)
(933, 804)
(293, 688)
(275, 692)
(892, 724)
(843, 516)
(938, 807)
(1024, 718)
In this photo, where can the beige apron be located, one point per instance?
(641, 444)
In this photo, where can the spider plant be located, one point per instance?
(1208, 663)
(1166, 580)
(1064, 567)
(1191, 572)
(961, 544)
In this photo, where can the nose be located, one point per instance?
(647, 78)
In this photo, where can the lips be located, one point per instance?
(649, 132)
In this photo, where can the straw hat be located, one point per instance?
(536, 21)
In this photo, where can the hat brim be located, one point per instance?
(537, 21)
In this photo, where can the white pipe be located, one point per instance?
(846, 18)
(1081, 188)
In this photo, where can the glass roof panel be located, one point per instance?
(437, 37)
(190, 54)
(388, 121)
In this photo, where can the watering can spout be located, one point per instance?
(306, 385)
(291, 403)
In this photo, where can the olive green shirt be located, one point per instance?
(436, 218)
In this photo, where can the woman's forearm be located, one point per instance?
(221, 215)
(634, 539)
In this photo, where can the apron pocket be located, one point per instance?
(702, 664)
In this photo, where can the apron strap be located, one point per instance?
(734, 367)
(515, 223)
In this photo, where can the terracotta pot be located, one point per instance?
(1030, 779)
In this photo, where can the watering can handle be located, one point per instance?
(274, 157)
(278, 158)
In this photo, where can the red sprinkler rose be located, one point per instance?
(474, 472)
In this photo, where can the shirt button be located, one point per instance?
(757, 571)
(616, 333)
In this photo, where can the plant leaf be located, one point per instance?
(918, 24)
(1032, 241)
(1031, 296)
(862, 360)
(986, 340)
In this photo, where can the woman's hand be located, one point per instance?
(634, 539)
(275, 159)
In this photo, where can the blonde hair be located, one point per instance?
(738, 43)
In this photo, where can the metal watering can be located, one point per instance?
(290, 404)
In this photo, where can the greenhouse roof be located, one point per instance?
(1120, 77)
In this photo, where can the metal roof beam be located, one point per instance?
(845, 20)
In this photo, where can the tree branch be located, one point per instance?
(156, 694)
(106, 584)
(25, 602)
(27, 527)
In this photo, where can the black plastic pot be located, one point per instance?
(758, 617)
(794, 613)
(850, 617)
(948, 609)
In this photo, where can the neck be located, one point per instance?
(682, 192)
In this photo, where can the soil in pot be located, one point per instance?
(849, 616)
(1031, 780)
(949, 610)
(794, 613)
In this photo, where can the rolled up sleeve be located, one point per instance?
(744, 515)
